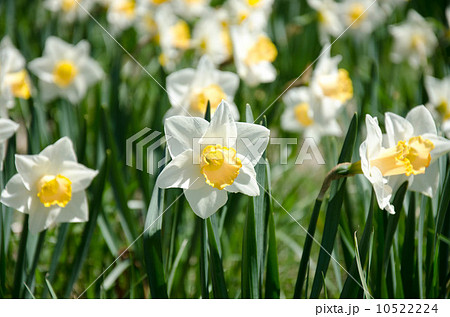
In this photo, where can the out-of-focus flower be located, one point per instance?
(211, 36)
(308, 114)
(211, 159)
(411, 153)
(329, 20)
(7, 129)
(253, 13)
(14, 79)
(65, 70)
(121, 15)
(70, 9)
(438, 91)
(330, 83)
(174, 36)
(414, 40)
(50, 186)
(362, 16)
(254, 53)
(390, 5)
(190, 9)
(145, 19)
(190, 89)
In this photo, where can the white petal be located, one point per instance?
(421, 120)
(41, 217)
(80, 176)
(374, 136)
(178, 85)
(252, 140)
(60, 151)
(441, 146)
(181, 133)
(383, 192)
(181, 172)
(91, 71)
(229, 82)
(289, 122)
(427, 183)
(245, 182)
(397, 128)
(7, 128)
(76, 210)
(57, 49)
(49, 91)
(16, 195)
(205, 200)
(222, 129)
(43, 68)
(31, 168)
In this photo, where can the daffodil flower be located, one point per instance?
(121, 15)
(65, 70)
(190, 89)
(253, 13)
(50, 186)
(254, 53)
(190, 9)
(211, 159)
(7, 129)
(414, 40)
(361, 16)
(14, 79)
(408, 152)
(330, 22)
(70, 9)
(309, 114)
(438, 91)
(330, 83)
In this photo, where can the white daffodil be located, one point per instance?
(190, 9)
(309, 114)
(211, 159)
(438, 91)
(65, 70)
(71, 10)
(7, 129)
(173, 34)
(408, 152)
(14, 79)
(414, 40)
(362, 16)
(190, 89)
(211, 36)
(50, 186)
(145, 20)
(330, 83)
(329, 19)
(121, 15)
(254, 13)
(254, 53)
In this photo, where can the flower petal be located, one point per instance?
(80, 176)
(245, 182)
(31, 168)
(76, 210)
(222, 129)
(7, 129)
(205, 200)
(178, 85)
(41, 217)
(16, 195)
(60, 151)
(397, 129)
(427, 183)
(252, 140)
(421, 120)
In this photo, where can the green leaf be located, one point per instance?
(361, 271)
(216, 269)
(409, 277)
(203, 258)
(249, 268)
(49, 288)
(19, 272)
(34, 263)
(272, 289)
(115, 273)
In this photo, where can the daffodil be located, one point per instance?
(330, 22)
(65, 70)
(211, 159)
(211, 36)
(190, 9)
(438, 91)
(14, 79)
(70, 10)
(407, 152)
(50, 186)
(330, 83)
(254, 53)
(253, 13)
(7, 129)
(174, 36)
(361, 16)
(190, 89)
(121, 15)
(308, 114)
(414, 40)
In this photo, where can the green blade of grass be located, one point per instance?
(203, 258)
(360, 270)
(50, 289)
(249, 269)
(34, 263)
(272, 288)
(94, 209)
(19, 271)
(216, 268)
(423, 207)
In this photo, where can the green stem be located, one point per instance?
(20, 266)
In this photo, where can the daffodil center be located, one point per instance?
(408, 158)
(181, 35)
(54, 190)
(417, 41)
(67, 5)
(442, 108)
(356, 14)
(64, 73)
(340, 88)
(19, 84)
(212, 93)
(262, 51)
(253, 3)
(302, 113)
(127, 8)
(219, 165)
